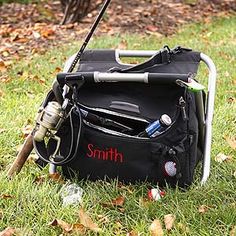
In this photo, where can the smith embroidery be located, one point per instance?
(109, 154)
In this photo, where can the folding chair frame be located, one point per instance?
(205, 115)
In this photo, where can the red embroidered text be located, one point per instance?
(109, 154)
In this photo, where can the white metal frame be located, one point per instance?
(205, 114)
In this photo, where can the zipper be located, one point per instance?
(105, 111)
(136, 137)
(182, 104)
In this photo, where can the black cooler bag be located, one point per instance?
(112, 147)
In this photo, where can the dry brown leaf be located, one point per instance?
(231, 100)
(151, 28)
(103, 219)
(123, 44)
(39, 180)
(47, 32)
(6, 196)
(169, 221)
(3, 67)
(203, 209)
(58, 69)
(79, 228)
(118, 201)
(62, 224)
(221, 157)
(56, 177)
(231, 142)
(27, 130)
(36, 34)
(156, 228)
(87, 221)
(8, 232)
(132, 233)
(232, 231)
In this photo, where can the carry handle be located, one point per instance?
(97, 77)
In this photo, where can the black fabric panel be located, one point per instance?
(151, 99)
(102, 60)
(98, 60)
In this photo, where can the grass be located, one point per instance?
(32, 206)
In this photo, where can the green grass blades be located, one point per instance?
(29, 202)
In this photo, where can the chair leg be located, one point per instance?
(209, 117)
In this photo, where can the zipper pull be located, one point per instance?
(182, 104)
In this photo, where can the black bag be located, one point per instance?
(100, 137)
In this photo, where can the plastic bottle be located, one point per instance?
(71, 194)
(157, 127)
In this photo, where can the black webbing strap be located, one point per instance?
(161, 57)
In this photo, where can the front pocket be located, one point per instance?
(101, 155)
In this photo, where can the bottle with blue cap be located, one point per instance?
(157, 127)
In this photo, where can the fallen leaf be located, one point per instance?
(58, 69)
(232, 231)
(56, 177)
(5, 54)
(103, 219)
(78, 228)
(22, 40)
(169, 221)
(123, 44)
(203, 209)
(27, 130)
(87, 221)
(118, 201)
(6, 196)
(231, 142)
(231, 100)
(156, 228)
(47, 32)
(5, 79)
(151, 28)
(62, 224)
(3, 67)
(39, 180)
(36, 34)
(2, 130)
(132, 233)
(8, 232)
(222, 157)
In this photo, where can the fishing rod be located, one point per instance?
(89, 35)
(28, 143)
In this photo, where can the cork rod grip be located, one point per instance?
(21, 157)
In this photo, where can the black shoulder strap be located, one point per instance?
(161, 57)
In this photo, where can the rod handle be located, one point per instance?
(21, 157)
